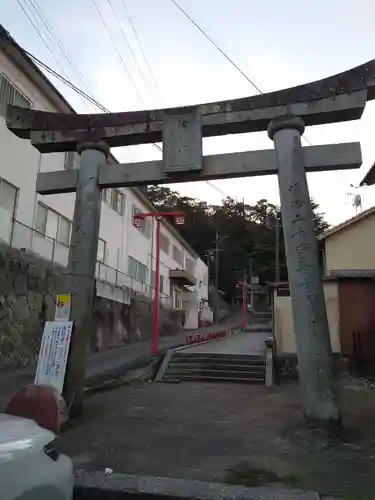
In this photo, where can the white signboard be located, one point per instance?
(62, 311)
(53, 354)
(255, 280)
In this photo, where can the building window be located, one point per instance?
(102, 250)
(9, 94)
(132, 267)
(107, 196)
(177, 299)
(8, 198)
(115, 199)
(161, 282)
(52, 225)
(142, 273)
(165, 244)
(137, 270)
(71, 161)
(190, 266)
(41, 219)
(146, 228)
(63, 232)
(177, 255)
(120, 202)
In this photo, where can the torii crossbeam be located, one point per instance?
(284, 115)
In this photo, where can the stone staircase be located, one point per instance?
(210, 367)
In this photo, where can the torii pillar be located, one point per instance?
(81, 267)
(306, 288)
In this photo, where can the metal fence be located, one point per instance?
(115, 277)
(29, 239)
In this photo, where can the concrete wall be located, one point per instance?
(20, 164)
(284, 327)
(28, 287)
(352, 247)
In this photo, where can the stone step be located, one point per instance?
(215, 373)
(186, 352)
(215, 362)
(209, 378)
(207, 357)
(214, 367)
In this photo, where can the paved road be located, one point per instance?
(247, 342)
(104, 364)
(237, 432)
(100, 366)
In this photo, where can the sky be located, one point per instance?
(277, 44)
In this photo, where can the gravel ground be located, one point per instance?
(243, 434)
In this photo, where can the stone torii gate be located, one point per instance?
(284, 114)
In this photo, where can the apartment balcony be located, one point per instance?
(182, 277)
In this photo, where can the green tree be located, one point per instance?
(246, 232)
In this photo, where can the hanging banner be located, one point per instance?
(62, 311)
(53, 354)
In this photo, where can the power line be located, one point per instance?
(86, 96)
(42, 38)
(117, 50)
(139, 42)
(73, 87)
(56, 40)
(227, 57)
(121, 58)
(66, 82)
(226, 195)
(127, 43)
(40, 35)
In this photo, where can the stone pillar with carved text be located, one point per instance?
(306, 289)
(81, 267)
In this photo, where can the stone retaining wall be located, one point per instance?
(28, 287)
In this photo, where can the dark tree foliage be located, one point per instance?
(245, 231)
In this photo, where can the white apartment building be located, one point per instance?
(42, 224)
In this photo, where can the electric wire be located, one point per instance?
(121, 59)
(127, 43)
(227, 57)
(139, 42)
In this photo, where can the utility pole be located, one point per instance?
(216, 280)
(251, 282)
(217, 260)
(277, 249)
(244, 300)
(318, 390)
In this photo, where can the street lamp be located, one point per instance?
(139, 221)
(179, 220)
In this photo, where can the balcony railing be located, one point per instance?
(29, 239)
(115, 277)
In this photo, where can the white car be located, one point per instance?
(30, 466)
